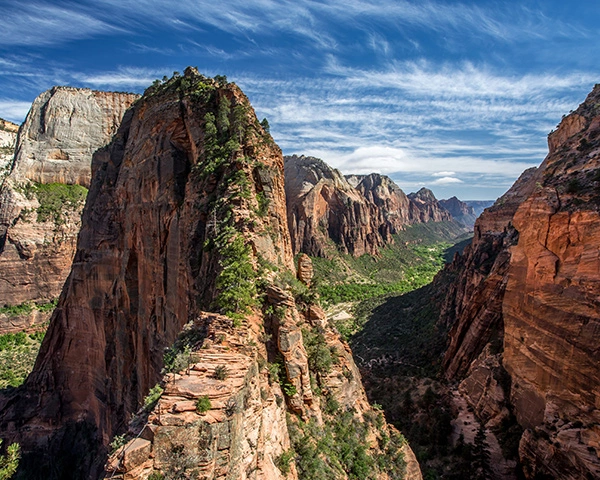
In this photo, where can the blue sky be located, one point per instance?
(455, 96)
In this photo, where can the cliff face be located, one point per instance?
(427, 208)
(460, 211)
(8, 139)
(356, 214)
(39, 213)
(531, 279)
(323, 207)
(185, 214)
(64, 127)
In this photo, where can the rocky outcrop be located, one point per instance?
(39, 213)
(428, 209)
(531, 280)
(473, 305)
(8, 140)
(185, 214)
(64, 127)
(460, 211)
(325, 212)
(356, 214)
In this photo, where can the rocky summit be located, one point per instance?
(158, 345)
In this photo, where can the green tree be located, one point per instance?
(481, 455)
(9, 462)
(265, 124)
(236, 282)
(223, 115)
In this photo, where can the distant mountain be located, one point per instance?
(479, 205)
(460, 210)
(356, 214)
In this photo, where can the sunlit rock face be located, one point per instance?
(355, 214)
(530, 283)
(39, 226)
(189, 189)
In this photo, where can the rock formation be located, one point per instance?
(186, 214)
(529, 285)
(460, 211)
(42, 197)
(427, 207)
(8, 139)
(356, 214)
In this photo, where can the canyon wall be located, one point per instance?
(528, 285)
(185, 215)
(356, 214)
(42, 196)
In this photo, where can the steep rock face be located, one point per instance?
(552, 304)
(460, 211)
(427, 208)
(186, 211)
(356, 214)
(39, 221)
(64, 127)
(531, 280)
(323, 208)
(8, 140)
(473, 305)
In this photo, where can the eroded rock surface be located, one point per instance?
(40, 215)
(529, 285)
(356, 214)
(189, 191)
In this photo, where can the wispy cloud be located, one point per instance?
(123, 77)
(43, 23)
(447, 181)
(13, 110)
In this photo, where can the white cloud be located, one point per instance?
(123, 77)
(14, 110)
(443, 174)
(447, 181)
(39, 23)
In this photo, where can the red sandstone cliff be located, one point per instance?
(185, 214)
(356, 214)
(531, 279)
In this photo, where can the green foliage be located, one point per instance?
(10, 462)
(283, 461)
(263, 204)
(274, 372)
(156, 475)
(236, 282)
(339, 448)
(27, 308)
(221, 372)
(117, 442)
(177, 357)
(18, 352)
(56, 199)
(152, 398)
(265, 124)
(319, 354)
(203, 404)
(223, 115)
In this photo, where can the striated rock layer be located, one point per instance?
(356, 214)
(186, 213)
(39, 225)
(531, 280)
